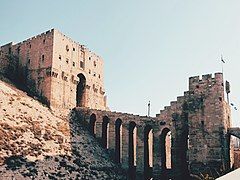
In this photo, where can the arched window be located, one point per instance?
(105, 132)
(148, 152)
(166, 146)
(92, 124)
(132, 150)
(118, 140)
(80, 95)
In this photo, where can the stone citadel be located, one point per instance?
(62, 72)
(189, 138)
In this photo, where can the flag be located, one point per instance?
(222, 59)
(148, 103)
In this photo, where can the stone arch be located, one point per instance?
(165, 149)
(92, 124)
(118, 140)
(105, 132)
(148, 151)
(132, 150)
(81, 90)
(182, 141)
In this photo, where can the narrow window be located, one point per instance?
(73, 64)
(67, 60)
(44, 41)
(9, 50)
(43, 58)
(89, 71)
(99, 76)
(60, 57)
(89, 58)
(67, 48)
(73, 49)
(18, 49)
(29, 61)
(81, 64)
(82, 53)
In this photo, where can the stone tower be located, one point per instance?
(199, 123)
(63, 73)
(209, 121)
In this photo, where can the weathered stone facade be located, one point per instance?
(198, 122)
(236, 158)
(62, 72)
(191, 137)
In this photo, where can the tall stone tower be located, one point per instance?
(63, 73)
(199, 123)
(208, 120)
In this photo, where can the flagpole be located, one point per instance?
(149, 108)
(222, 61)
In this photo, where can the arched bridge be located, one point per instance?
(188, 137)
(141, 144)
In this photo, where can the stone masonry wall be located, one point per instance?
(34, 61)
(198, 122)
(49, 64)
(69, 60)
(236, 158)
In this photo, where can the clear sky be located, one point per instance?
(150, 48)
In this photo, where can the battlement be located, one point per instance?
(39, 36)
(206, 78)
(68, 38)
(197, 85)
(205, 81)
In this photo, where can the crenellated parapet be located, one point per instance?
(206, 82)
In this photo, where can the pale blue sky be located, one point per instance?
(150, 48)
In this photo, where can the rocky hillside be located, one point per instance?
(37, 143)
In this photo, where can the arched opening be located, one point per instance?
(132, 150)
(80, 95)
(105, 132)
(234, 149)
(118, 140)
(92, 124)
(183, 142)
(166, 145)
(148, 152)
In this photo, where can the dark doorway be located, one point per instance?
(92, 124)
(118, 140)
(148, 152)
(105, 132)
(80, 95)
(132, 154)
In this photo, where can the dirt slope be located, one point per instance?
(36, 143)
